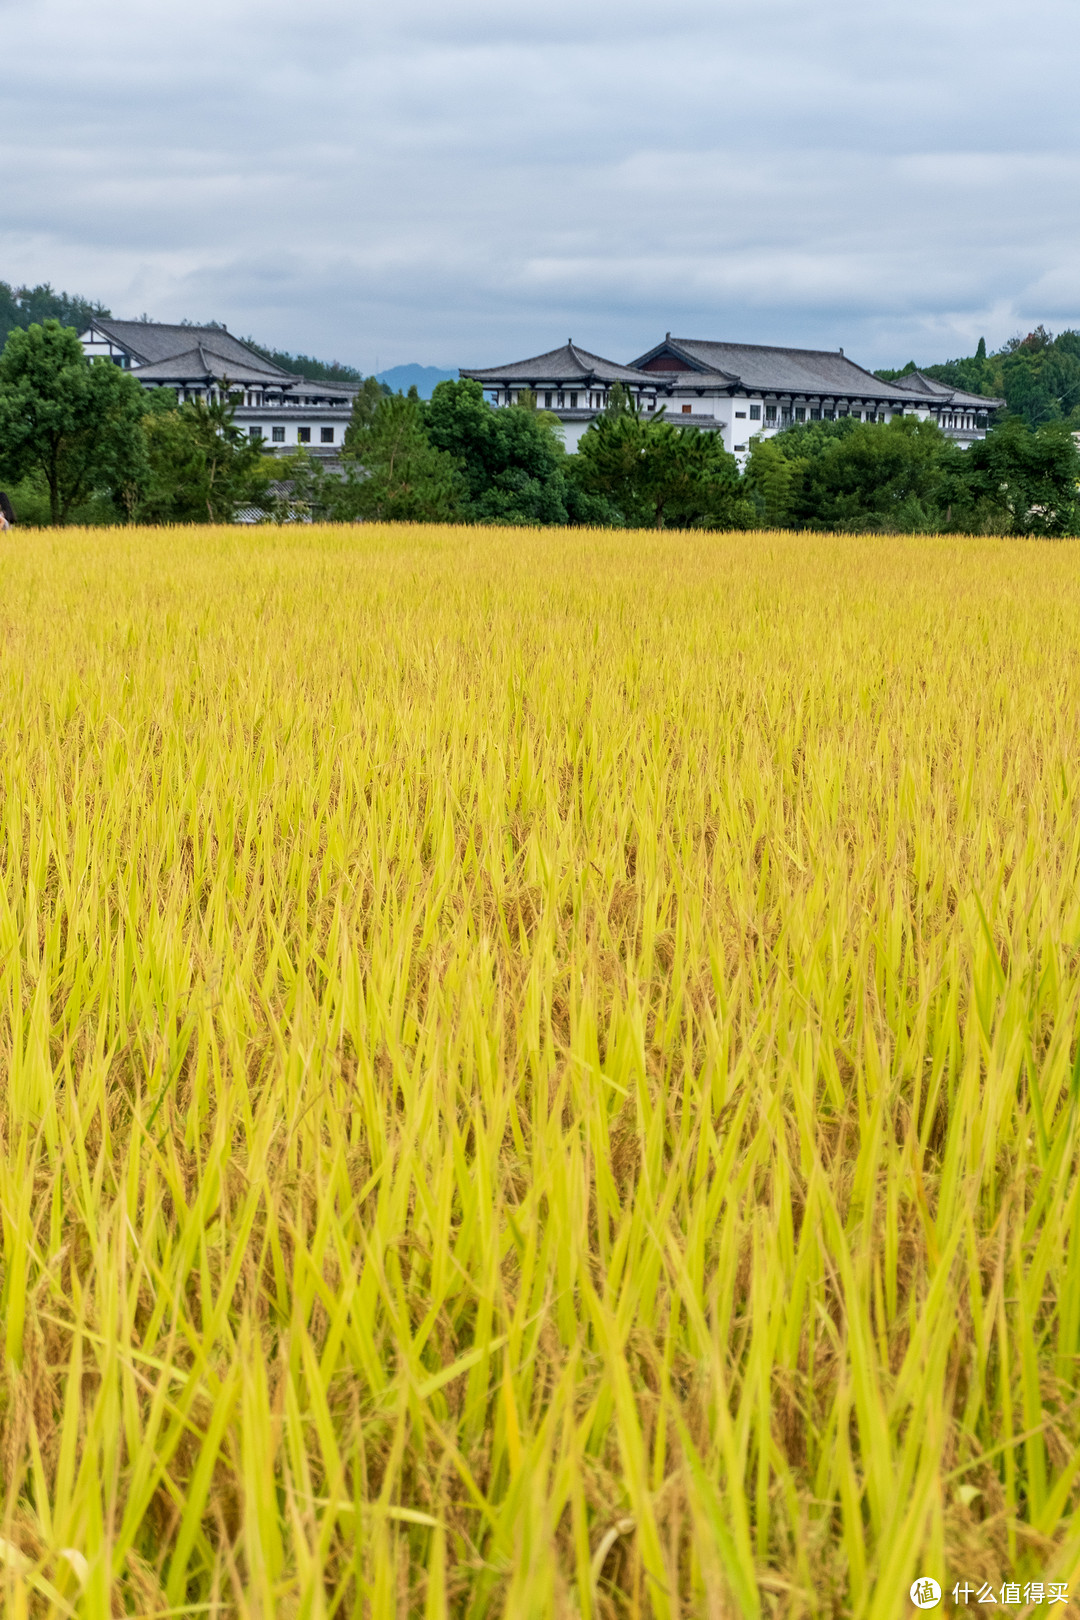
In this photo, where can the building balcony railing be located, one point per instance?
(277, 406)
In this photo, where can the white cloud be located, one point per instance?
(463, 184)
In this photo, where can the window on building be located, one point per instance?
(815, 413)
(686, 412)
(573, 402)
(740, 447)
(770, 414)
(755, 413)
(800, 413)
(303, 435)
(278, 435)
(829, 416)
(547, 402)
(562, 401)
(740, 414)
(254, 432)
(326, 435)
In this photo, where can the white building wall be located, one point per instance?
(262, 421)
(741, 418)
(572, 433)
(96, 347)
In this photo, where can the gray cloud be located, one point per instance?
(472, 183)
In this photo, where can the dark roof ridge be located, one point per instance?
(258, 365)
(767, 347)
(175, 339)
(555, 365)
(590, 371)
(791, 348)
(945, 393)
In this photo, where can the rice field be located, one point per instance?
(539, 1073)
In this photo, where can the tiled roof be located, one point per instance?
(202, 363)
(929, 389)
(150, 342)
(568, 365)
(207, 354)
(764, 369)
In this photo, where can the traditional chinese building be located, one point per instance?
(739, 390)
(207, 362)
(570, 382)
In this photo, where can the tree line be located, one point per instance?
(1038, 376)
(21, 307)
(83, 441)
(455, 459)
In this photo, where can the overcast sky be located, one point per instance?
(463, 182)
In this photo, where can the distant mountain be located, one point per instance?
(425, 377)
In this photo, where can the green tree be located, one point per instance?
(21, 307)
(75, 424)
(202, 467)
(611, 463)
(1022, 481)
(512, 460)
(621, 402)
(856, 476)
(1040, 377)
(657, 475)
(894, 476)
(366, 402)
(769, 480)
(404, 477)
